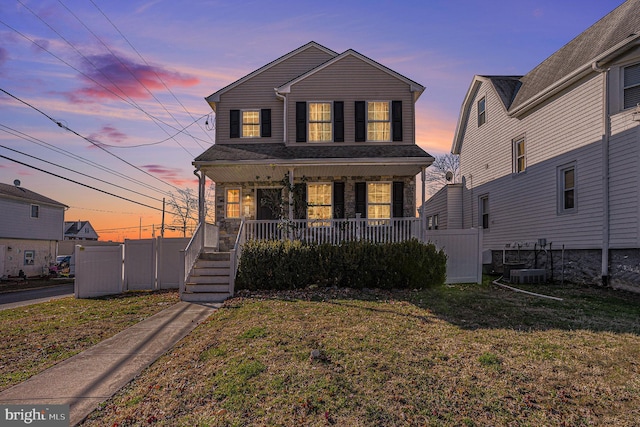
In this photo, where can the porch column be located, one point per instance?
(290, 193)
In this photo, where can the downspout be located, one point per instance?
(423, 227)
(284, 118)
(201, 178)
(605, 171)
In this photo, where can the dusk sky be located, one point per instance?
(110, 93)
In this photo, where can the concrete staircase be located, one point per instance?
(210, 279)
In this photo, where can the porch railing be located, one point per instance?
(235, 255)
(204, 236)
(335, 231)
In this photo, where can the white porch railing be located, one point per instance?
(235, 255)
(206, 236)
(335, 231)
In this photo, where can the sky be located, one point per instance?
(102, 101)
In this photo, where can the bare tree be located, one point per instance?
(444, 170)
(183, 204)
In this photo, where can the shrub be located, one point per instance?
(360, 264)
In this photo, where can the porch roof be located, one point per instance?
(249, 162)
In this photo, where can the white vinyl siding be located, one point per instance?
(17, 221)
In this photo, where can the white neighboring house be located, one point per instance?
(30, 229)
(555, 155)
(79, 230)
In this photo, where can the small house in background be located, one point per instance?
(79, 230)
(31, 226)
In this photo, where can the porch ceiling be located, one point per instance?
(238, 172)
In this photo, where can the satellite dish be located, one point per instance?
(448, 176)
(16, 182)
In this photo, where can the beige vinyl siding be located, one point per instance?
(351, 79)
(437, 205)
(566, 129)
(258, 93)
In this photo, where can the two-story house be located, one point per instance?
(31, 226)
(339, 128)
(550, 160)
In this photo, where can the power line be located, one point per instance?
(79, 183)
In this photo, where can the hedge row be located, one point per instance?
(293, 264)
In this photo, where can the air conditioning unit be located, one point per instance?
(528, 275)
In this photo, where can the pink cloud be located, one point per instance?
(173, 175)
(109, 133)
(125, 78)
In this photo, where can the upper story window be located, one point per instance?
(631, 86)
(232, 209)
(319, 201)
(320, 123)
(250, 123)
(378, 121)
(482, 112)
(567, 188)
(35, 211)
(379, 200)
(519, 155)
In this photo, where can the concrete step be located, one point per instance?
(198, 271)
(204, 288)
(205, 297)
(208, 279)
(215, 256)
(212, 264)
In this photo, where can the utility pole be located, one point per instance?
(162, 226)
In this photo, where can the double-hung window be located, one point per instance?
(379, 200)
(484, 211)
(519, 155)
(250, 123)
(378, 121)
(567, 189)
(319, 202)
(631, 86)
(482, 112)
(320, 123)
(35, 211)
(233, 203)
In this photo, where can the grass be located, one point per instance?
(38, 336)
(462, 355)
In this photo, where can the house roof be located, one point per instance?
(415, 87)
(215, 97)
(27, 196)
(611, 36)
(247, 162)
(605, 34)
(71, 227)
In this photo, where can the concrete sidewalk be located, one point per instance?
(93, 376)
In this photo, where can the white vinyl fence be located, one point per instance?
(144, 264)
(464, 253)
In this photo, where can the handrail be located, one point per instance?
(190, 255)
(235, 255)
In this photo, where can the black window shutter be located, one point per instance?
(396, 120)
(265, 123)
(361, 121)
(398, 199)
(338, 199)
(301, 122)
(300, 201)
(234, 124)
(361, 199)
(338, 121)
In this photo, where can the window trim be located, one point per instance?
(515, 157)
(258, 125)
(227, 203)
(330, 122)
(390, 204)
(562, 210)
(482, 114)
(389, 121)
(484, 212)
(37, 211)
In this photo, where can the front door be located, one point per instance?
(269, 203)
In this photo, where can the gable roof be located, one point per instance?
(27, 196)
(215, 97)
(416, 88)
(611, 36)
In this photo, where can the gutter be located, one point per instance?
(575, 75)
(605, 170)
